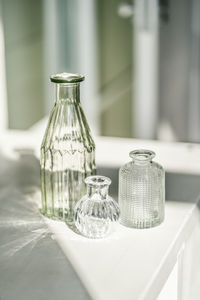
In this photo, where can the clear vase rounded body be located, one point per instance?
(67, 151)
(95, 212)
(141, 191)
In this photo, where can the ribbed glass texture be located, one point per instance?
(141, 191)
(67, 155)
(96, 211)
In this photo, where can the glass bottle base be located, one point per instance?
(141, 224)
(57, 215)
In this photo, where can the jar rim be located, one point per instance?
(67, 78)
(98, 180)
(142, 155)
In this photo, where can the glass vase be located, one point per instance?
(67, 151)
(141, 191)
(96, 211)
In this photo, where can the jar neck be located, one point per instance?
(97, 187)
(142, 163)
(68, 91)
(97, 192)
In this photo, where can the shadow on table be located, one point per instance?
(32, 266)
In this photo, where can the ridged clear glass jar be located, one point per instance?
(67, 151)
(96, 211)
(141, 191)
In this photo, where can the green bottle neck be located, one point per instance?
(68, 91)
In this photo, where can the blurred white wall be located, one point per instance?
(3, 87)
(70, 45)
(145, 68)
(179, 68)
(22, 20)
(144, 84)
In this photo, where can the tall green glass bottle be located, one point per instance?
(67, 151)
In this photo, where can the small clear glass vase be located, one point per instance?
(67, 151)
(96, 211)
(141, 191)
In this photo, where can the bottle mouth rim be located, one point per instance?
(97, 180)
(142, 155)
(67, 78)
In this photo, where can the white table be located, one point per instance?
(128, 264)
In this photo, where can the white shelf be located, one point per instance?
(129, 264)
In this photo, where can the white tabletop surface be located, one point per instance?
(129, 263)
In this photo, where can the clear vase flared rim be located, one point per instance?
(98, 180)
